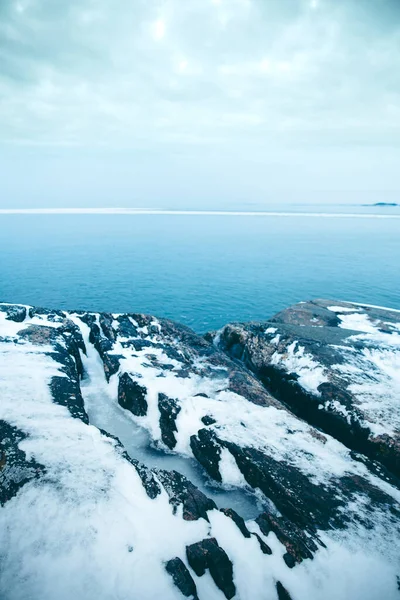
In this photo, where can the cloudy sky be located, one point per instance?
(198, 102)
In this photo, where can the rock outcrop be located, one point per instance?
(334, 364)
(207, 554)
(298, 413)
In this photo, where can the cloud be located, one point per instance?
(139, 73)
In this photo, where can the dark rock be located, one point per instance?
(14, 312)
(265, 549)
(106, 324)
(88, 318)
(15, 469)
(237, 519)
(207, 554)
(139, 344)
(141, 320)
(39, 334)
(181, 491)
(74, 342)
(66, 392)
(126, 328)
(299, 546)
(207, 451)
(290, 560)
(182, 578)
(103, 345)
(149, 481)
(376, 468)
(49, 313)
(169, 410)
(132, 396)
(303, 502)
(352, 485)
(283, 594)
(307, 313)
(183, 373)
(111, 364)
(207, 420)
(244, 384)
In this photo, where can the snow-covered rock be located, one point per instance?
(87, 510)
(335, 364)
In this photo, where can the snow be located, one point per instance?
(69, 533)
(217, 337)
(371, 371)
(230, 473)
(373, 376)
(343, 309)
(338, 407)
(9, 329)
(379, 338)
(310, 373)
(357, 322)
(352, 566)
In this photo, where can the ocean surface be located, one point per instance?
(201, 269)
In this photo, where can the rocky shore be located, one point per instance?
(298, 415)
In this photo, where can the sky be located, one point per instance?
(198, 103)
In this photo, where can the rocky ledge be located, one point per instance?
(297, 416)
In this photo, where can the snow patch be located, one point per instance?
(343, 309)
(374, 379)
(357, 322)
(230, 472)
(310, 373)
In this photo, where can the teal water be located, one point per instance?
(201, 270)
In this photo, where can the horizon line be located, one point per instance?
(160, 211)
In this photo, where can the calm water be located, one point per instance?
(201, 270)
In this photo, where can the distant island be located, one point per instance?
(383, 204)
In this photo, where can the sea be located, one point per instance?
(201, 268)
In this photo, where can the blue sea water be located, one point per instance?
(201, 270)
